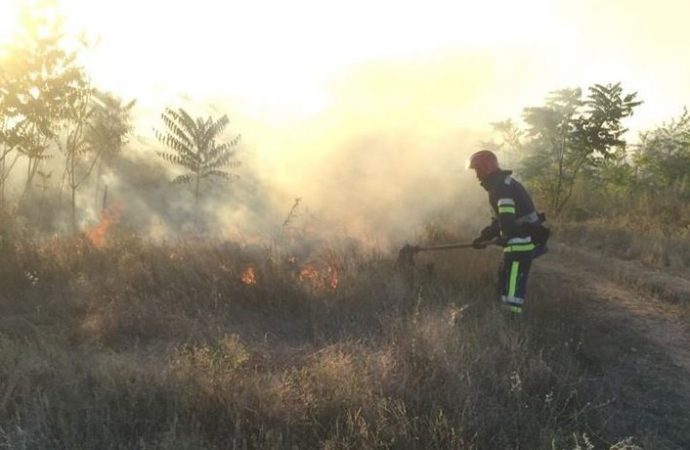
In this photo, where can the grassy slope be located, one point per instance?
(142, 346)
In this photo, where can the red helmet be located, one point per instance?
(483, 162)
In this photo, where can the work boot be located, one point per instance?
(510, 307)
(514, 310)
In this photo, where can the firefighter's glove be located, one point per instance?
(501, 240)
(479, 243)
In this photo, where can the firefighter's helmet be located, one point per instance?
(483, 162)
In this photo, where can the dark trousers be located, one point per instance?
(512, 279)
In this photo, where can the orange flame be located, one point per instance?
(308, 273)
(319, 280)
(332, 278)
(109, 217)
(248, 276)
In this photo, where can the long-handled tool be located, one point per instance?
(406, 254)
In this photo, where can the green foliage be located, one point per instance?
(110, 123)
(609, 182)
(569, 134)
(663, 156)
(193, 146)
(507, 142)
(47, 102)
(573, 151)
(74, 144)
(40, 79)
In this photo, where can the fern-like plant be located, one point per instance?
(193, 146)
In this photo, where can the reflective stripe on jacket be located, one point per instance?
(513, 212)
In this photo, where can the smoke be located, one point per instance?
(387, 155)
(382, 158)
(369, 129)
(378, 159)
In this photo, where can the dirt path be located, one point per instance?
(636, 340)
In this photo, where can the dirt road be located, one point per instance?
(635, 340)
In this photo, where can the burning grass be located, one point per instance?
(211, 345)
(97, 235)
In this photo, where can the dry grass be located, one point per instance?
(661, 247)
(653, 228)
(165, 347)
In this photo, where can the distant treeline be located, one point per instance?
(573, 152)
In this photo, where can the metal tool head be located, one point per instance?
(406, 256)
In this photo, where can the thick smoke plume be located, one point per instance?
(381, 160)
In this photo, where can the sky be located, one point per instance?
(387, 90)
(291, 58)
(279, 56)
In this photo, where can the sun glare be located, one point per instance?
(8, 20)
(283, 60)
(276, 52)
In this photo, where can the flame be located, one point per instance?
(332, 278)
(109, 217)
(308, 272)
(319, 279)
(248, 276)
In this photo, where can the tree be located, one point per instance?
(39, 79)
(569, 134)
(10, 131)
(108, 129)
(75, 146)
(97, 125)
(507, 141)
(663, 156)
(194, 147)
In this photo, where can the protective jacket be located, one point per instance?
(515, 219)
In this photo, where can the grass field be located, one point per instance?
(211, 345)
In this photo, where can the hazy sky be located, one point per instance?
(286, 54)
(400, 86)
(294, 57)
(439, 64)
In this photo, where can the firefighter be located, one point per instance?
(515, 224)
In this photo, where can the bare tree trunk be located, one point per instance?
(28, 175)
(71, 160)
(3, 178)
(105, 198)
(5, 175)
(99, 173)
(74, 208)
(561, 154)
(196, 189)
(196, 198)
